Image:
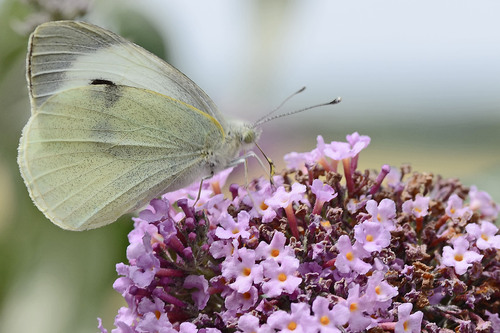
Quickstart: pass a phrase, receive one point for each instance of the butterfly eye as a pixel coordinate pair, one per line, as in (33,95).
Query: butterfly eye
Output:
(249,136)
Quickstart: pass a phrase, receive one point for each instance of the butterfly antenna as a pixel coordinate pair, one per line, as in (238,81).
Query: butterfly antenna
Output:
(261,120)
(267,118)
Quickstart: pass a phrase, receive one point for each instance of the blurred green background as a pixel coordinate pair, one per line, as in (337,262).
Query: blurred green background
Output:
(422,79)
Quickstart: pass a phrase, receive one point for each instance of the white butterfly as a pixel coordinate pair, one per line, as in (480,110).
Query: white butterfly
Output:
(113,126)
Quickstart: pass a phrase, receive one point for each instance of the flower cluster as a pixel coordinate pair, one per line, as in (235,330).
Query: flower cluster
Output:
(315,251)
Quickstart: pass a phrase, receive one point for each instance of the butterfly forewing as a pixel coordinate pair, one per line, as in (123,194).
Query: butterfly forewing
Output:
(68,54)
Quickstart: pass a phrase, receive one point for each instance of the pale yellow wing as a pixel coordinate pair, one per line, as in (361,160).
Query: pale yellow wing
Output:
(68,54)
(91,154)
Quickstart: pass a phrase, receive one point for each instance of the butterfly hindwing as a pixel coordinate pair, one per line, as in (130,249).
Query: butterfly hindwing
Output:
(92,153)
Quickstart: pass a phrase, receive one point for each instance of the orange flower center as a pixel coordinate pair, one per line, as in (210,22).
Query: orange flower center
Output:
(326,224)
(292,325)
(353,307)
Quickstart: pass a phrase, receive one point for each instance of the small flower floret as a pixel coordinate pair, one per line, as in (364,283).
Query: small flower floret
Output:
(280,277)
(459,256)
(408,323)
(418,207)
(350,257)
(372,236)
(485,235)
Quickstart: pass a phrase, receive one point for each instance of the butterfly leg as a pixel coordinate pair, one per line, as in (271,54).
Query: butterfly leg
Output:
(243,159)
(199,189)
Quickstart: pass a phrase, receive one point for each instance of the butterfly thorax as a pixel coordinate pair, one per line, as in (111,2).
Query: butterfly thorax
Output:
(239,137)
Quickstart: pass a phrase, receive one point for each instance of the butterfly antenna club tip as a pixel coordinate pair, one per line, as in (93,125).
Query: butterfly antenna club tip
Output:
(336,101)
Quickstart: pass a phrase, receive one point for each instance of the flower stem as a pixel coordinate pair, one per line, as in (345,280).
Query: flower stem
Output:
(292,221)
(390,326)
(346,162)
(383,172)
(318,206)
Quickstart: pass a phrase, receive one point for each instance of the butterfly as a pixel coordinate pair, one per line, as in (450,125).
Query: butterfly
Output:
(112,126)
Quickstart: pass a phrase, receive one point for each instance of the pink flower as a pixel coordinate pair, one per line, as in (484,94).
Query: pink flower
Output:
(384,212)
(355,204)
(393,178)
(200,295)
(408,323)
(459,256)
(485,235)
(281,278)
(342,150)
(151,323)
(298,321)
(276,250)
(418,207)
(282,198)
(223,248)
(232,229)
(242,267)
(155,305)
(157,210)
(357,305)
(186,327)
(455,209)
(257,201)
(248,323)
(482,202)
(317,155)
(328,320)
(241,301)
(349,257)
(372,236)
(296,160)
(145,264)
(323,193)
(379,290)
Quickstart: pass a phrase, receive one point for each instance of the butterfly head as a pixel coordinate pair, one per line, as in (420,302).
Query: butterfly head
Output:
(242,134)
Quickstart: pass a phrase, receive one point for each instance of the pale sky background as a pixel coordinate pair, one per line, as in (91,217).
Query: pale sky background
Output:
(439,59)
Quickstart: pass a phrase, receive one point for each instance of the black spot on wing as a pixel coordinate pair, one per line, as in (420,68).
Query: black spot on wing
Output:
(111,91)
(102,81)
